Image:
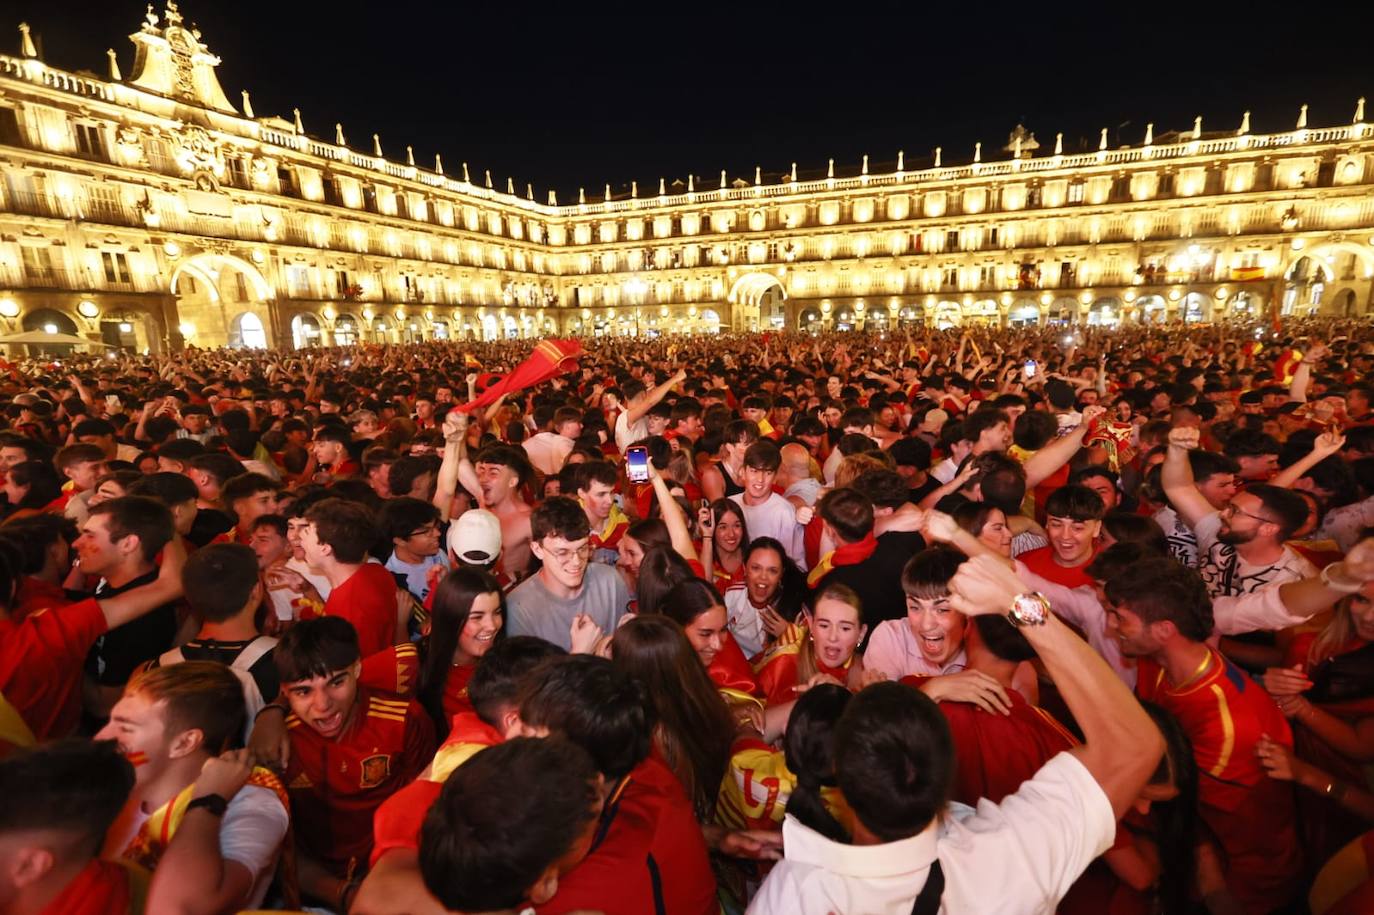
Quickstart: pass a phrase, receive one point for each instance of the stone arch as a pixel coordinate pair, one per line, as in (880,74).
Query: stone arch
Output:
(1318,253)
(758,298)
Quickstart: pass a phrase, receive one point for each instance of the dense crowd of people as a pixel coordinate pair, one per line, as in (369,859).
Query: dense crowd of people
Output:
(995,620)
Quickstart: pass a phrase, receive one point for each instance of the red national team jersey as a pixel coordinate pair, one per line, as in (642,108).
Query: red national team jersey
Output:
(652,859)
(392,670)
(1224,713)
(336,785)
(730,669)
(776,672)
(455,697)
(368,601)
(35,594)
(1041,562)
(997,753)
(102,888)
(40,665)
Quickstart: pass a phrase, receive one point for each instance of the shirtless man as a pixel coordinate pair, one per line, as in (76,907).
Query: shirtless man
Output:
(500,472)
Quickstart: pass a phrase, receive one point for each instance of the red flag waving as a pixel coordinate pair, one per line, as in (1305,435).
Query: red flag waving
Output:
(550,359)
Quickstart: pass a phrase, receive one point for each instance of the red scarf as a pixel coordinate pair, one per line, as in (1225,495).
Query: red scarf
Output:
(851,554)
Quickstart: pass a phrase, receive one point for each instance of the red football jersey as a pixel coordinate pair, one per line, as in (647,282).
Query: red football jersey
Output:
(368,601)
(40,665)
(996,753)
(337,784)
(1224,713)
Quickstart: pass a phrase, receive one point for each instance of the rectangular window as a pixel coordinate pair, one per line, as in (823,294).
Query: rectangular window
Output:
(89,141)
(298,281)
(116,267)
(952,240)
(1033,197)
(1166,184)
(1076,192)
(992,238)
(950,280)
(238,171)
(9,127)
(987,276)
(37,263)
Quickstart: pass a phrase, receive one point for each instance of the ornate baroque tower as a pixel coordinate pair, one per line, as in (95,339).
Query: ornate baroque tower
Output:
(172,62)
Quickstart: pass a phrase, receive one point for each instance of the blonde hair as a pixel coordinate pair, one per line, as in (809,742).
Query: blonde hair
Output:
(806,652)
(854,466)
(199,695)
(1337,634)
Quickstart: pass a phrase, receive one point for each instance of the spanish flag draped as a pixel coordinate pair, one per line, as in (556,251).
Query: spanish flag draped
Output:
(549,359)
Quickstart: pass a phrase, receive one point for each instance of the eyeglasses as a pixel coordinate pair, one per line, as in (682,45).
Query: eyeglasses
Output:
(1231,510)
(566,557)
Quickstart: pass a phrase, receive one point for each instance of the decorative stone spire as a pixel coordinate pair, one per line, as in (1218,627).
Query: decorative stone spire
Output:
(608,193)
(938,152)
(1102,143)
(553,199)
(488,175)
(901,160)
(438,164)
(1016,148)
(758,175)
(115,75)
(376,146)
(634,189)
(297,113)
(247,105)
(977,153)
(466,178)
(410,156)
(830,169)
(722,179)
(1150,134)
(1302,118)
(691,184)
(1197,127)
(510,185)
(662,189)
(582,195)
(529,191)
(1244,125)
(1359,111)
(26,41)
(794,172)
(339,139)
(1059,144)
(863,170)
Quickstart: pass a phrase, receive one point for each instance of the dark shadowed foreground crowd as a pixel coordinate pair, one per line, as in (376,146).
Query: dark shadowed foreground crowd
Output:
(994,621)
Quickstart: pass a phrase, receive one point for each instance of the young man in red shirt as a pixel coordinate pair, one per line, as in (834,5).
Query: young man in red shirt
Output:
(1073,520)
(351,749)
(248,497)
(1162,615)
(335,541)
(508,823)
(331,453)
(59,800)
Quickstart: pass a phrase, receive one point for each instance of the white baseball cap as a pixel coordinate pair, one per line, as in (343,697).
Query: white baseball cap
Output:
(475,537)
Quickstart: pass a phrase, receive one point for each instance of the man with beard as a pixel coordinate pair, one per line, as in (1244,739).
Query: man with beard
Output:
(1241,547)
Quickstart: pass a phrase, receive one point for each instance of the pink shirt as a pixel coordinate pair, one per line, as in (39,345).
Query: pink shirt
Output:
(892,649)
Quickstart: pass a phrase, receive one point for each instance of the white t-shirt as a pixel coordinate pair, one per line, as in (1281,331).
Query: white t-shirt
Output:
(1182,540)
(251,833)
(743,620)
(1019,856)
(626,434)
(1228,575)
(776,518)
(547,451)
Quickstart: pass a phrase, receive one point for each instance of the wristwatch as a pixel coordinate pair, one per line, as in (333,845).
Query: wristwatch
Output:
(1029,609)
(214,803)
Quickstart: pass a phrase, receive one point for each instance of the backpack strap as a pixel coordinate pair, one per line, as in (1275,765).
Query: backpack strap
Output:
(928,902)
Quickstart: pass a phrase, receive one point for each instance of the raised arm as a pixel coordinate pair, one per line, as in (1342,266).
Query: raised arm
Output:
(1302,375)
(455,455)
(1046,462)
(135,602)
(1176,476)
(1328,443)
(1121,746)
(634,414)
(673,517)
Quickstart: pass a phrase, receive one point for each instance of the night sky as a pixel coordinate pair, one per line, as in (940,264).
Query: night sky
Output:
(581,94)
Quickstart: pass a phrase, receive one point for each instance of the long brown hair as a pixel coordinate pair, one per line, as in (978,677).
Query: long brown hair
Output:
(1337,634)
(694,729)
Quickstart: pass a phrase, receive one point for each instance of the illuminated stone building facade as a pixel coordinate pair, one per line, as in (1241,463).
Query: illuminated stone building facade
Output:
(149,211)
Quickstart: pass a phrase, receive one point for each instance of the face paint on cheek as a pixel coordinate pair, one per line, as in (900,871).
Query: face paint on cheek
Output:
(137,758)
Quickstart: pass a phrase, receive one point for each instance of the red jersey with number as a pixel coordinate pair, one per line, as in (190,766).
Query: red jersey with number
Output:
(41,659)
(1225,713)
(367,599)
(336,784)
